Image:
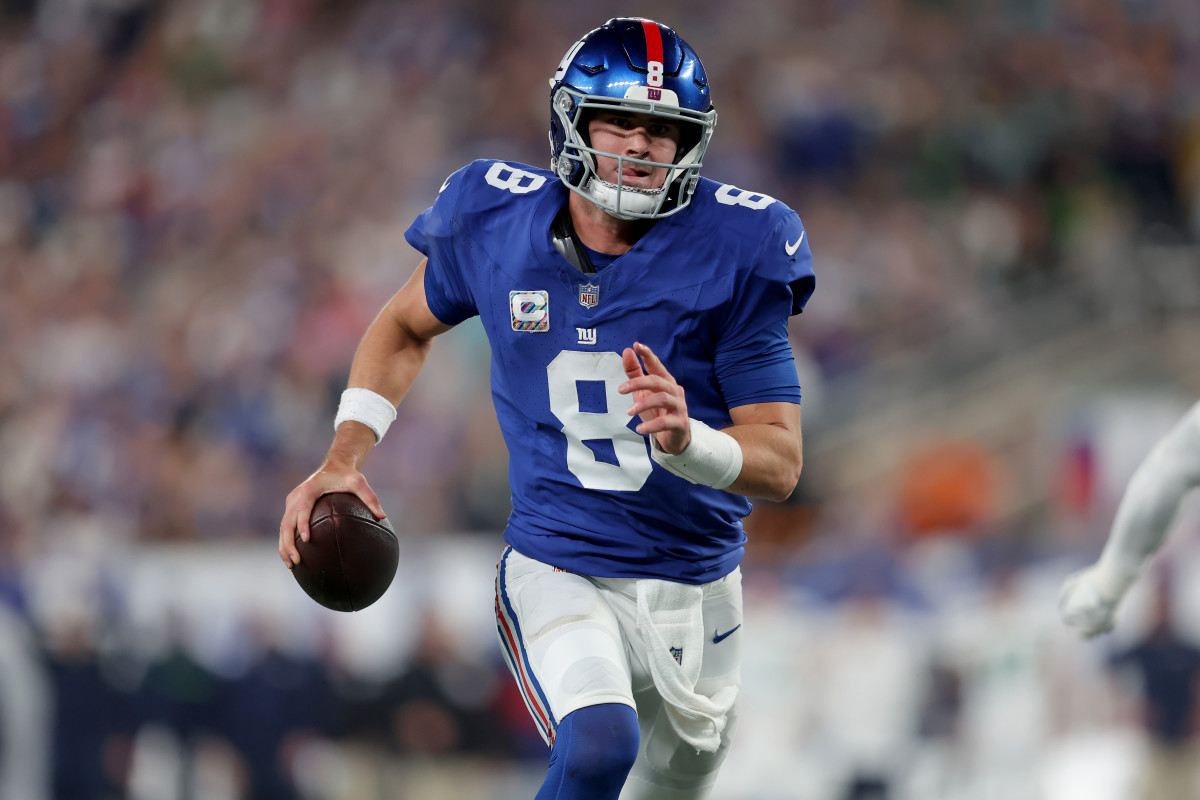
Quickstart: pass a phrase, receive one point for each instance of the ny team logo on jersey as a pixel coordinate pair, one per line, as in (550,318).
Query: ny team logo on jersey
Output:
(530,311)
(589,295)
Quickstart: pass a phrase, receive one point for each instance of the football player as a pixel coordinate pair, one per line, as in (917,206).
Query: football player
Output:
(1089,598)
(641,374)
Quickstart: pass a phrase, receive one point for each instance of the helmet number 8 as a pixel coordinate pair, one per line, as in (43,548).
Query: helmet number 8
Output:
(655,76)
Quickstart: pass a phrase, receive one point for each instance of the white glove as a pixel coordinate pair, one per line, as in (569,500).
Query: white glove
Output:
(1089,598)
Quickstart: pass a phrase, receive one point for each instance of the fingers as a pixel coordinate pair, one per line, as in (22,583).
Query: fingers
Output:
(296,513)
(653,365)
(360,487)
(647,383)
(667,403)
(657,398)
(661,425)
(287,540)
(655,376)
(633,367)
(299,505)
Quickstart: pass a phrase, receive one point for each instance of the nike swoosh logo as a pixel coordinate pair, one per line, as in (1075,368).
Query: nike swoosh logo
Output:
(720,637)
(791,249)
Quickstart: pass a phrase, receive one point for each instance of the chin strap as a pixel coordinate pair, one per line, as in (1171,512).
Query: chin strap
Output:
(562,233)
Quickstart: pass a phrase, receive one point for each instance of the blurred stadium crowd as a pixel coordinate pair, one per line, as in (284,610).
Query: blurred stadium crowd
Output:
(202,205)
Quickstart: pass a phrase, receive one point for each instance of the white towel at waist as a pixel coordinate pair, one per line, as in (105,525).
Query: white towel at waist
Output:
(670,615)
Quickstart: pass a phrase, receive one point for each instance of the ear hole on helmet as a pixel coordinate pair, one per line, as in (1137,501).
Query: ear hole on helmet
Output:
(583,122)
(690,134)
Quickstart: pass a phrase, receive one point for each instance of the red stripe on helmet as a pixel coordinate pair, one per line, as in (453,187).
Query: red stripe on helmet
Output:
(654,50)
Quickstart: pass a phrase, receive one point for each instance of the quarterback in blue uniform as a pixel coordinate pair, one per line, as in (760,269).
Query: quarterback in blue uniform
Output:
(641,374)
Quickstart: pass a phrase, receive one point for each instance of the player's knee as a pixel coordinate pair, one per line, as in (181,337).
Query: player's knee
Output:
(603,742)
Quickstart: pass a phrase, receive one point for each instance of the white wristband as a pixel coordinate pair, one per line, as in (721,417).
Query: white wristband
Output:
(712,458)
(370,408)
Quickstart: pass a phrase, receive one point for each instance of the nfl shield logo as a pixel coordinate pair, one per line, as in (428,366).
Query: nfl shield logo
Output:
(589,295)
(677,654)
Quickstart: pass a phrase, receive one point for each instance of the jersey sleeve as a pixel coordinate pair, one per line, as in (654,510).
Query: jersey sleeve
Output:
(434,233)
(754,362)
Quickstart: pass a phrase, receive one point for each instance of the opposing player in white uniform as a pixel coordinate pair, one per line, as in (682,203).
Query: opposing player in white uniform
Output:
(1090,598)
(641,374)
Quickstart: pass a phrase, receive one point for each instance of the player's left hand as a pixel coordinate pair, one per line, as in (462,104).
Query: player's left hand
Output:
(657,399)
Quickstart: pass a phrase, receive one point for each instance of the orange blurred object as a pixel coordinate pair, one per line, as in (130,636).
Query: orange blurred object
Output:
(948,487)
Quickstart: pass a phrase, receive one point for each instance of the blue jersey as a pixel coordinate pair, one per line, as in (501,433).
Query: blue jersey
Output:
(708,289)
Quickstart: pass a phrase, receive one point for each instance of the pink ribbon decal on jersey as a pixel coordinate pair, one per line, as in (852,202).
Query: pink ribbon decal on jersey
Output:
(654,51)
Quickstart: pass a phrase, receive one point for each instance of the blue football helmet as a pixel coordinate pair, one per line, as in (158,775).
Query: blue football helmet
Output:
(640,66)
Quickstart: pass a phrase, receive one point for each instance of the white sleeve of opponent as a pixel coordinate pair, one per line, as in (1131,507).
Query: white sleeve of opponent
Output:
(1152,499)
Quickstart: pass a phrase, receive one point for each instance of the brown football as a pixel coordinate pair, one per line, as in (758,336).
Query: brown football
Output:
(350,559)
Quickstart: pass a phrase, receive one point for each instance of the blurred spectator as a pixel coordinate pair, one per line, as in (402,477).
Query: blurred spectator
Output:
(443,703)
(872,659)
(938,768)
(179,712)
(28,745)
(272,711)
(93,720)
(1166,669)
(997,643)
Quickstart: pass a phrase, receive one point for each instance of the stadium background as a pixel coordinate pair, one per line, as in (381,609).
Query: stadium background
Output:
(202,205)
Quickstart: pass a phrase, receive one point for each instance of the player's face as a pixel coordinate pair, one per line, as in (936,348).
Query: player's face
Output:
(634,136)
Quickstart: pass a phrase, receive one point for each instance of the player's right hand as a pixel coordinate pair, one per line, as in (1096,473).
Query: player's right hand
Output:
(300,501)
(1088,602)
(657,398)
